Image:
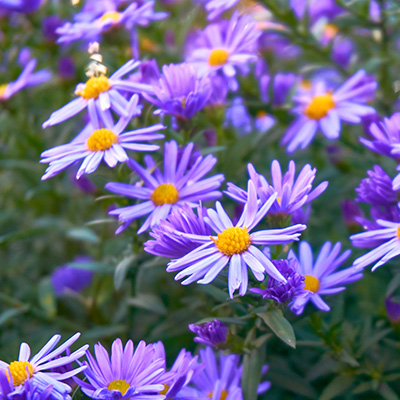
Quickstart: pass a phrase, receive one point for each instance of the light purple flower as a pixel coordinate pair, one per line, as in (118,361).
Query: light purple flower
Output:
(99,142)
(163,192)
(167,240)
(234,245)
(324,109)
(385,239)
(36,369)
(292,192)
(283,292)
(322,277)
(238,117)
(100,94)
(26,79)
(213,333)
(128,373)
(217,7)
(224,46)
(180,92)
(22,6)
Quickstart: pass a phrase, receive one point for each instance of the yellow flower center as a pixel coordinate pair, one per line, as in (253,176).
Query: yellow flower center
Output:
(234,240)
(94,86)
(312,283)
(261,114)
(19,371)
(218,57)
(165,390)
(319,106)
(305,84)
(224,395)
(330,31)
(101,139)
(3,89)
(398,232)
(114,15)
(166,193)
(120,385)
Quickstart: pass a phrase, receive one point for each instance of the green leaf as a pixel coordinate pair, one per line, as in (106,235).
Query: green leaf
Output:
(103,331)
(280,326)
(149,302)
(46,297)
(252,365)
(12,313)
(82,234)
(121,270)
(337,386)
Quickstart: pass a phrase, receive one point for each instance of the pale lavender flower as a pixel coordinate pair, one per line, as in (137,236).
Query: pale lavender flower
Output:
(234,245)
(320,108)
(100,94)
(217,7)
(322,277)
(213,333)
(163,192)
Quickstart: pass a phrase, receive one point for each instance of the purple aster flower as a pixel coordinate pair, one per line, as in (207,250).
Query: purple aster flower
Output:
(282,83)
(225,46)
(213,333)
(292,193)
(128,373)
(26,79)
(97,142)
(50,25)
(92,22)
(351,211)
(386,240)
(22,6)
(283,292)
(66,68)
(101,94)
(166,191)
(217,7)
(66,278)
(263,122)
(234,245)
(238,117)
(342,51)
(35,369)
(323,276)
(167,240)
(316,9)
(219,91)
(323,109)
(30,391)
(179,92)
(392,310)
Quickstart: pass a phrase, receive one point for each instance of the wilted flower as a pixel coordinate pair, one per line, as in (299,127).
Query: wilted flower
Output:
(213,333)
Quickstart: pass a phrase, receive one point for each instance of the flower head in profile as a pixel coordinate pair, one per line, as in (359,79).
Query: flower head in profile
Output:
(180,92)
(283,292)
(127,373)
(212,333)
(26,79)
(292,192)
(324,109)
(98,142)
(37,370)
(386,242)
(322,277)
(180,183)
(167,240)
(225,46)
(100,94)
(234,245)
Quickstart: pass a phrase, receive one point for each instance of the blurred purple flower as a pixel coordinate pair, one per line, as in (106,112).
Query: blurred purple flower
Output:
(212,333)
(350,210)
(49,26)
(66,68)
(22,6)
(392,310)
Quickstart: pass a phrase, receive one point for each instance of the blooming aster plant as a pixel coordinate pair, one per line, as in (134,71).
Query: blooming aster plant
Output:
(234,245)
(179,184)
(321,108)
(35,369)
(128,373)
(323,276)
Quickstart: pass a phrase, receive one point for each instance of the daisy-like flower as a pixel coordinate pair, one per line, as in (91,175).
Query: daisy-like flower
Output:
(167,240)
(225,46)
(321,108)
(213,333)
(100,94)
(180,92)
(234,245)
(128,373)
(163,192)
(385,239)
(92,22)
(323,276)
(35,369)
(292,192)
(27,78)
(99,142)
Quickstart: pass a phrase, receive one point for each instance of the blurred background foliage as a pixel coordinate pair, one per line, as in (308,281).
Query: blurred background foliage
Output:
(351,352)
